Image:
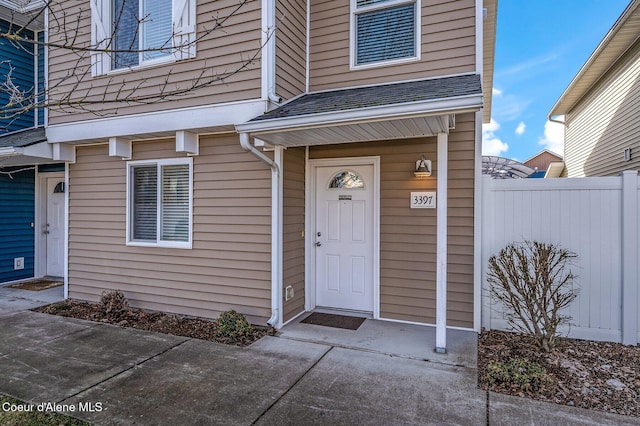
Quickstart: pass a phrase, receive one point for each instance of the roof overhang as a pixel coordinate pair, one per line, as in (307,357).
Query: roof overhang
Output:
(23,147)
(41,152)
(555,169)
(624,33)
(397,121)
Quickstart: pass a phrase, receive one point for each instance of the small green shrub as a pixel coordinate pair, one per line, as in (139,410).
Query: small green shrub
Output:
(234,325)
(113,302)
(517,373)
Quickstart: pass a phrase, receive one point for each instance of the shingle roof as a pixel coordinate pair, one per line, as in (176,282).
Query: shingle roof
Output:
(23,138)
(375,96)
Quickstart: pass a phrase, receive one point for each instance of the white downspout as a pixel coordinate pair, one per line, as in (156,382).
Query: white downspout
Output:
(276,226)
(269,51)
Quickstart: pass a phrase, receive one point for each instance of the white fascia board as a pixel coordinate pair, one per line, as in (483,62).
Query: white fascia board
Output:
(9,151)
(397,111)
(154,122)
(40,149)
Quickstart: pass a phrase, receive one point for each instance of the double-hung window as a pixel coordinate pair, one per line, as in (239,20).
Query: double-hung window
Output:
(384,31)
(131,33)
(159,202)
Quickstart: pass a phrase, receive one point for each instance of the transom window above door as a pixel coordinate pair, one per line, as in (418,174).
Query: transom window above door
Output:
(346,180)
(384,32)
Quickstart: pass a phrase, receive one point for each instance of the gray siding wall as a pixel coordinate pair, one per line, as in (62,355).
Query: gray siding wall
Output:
(229,266)
(448,45)
(291,51)
(220,53)
(605,123)
(408,236)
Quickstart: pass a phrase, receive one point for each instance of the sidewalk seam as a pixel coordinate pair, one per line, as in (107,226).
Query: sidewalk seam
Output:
(123,371)
(291,387)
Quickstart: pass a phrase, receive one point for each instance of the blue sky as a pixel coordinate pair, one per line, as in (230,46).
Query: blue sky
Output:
(540,46)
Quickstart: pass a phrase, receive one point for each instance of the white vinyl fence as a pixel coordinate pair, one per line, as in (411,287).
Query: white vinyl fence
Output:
(596,218)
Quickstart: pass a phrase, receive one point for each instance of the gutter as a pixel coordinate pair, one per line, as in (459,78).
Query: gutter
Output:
(276,225)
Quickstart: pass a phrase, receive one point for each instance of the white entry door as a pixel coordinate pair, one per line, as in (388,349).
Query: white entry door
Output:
(54,227)
(344,238)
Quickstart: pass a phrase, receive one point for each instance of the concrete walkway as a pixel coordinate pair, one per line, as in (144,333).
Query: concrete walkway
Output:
(111,375)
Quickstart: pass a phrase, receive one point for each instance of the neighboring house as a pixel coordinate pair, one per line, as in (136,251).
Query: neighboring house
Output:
(32,243)
(600,105)
(545,163)
(288,186)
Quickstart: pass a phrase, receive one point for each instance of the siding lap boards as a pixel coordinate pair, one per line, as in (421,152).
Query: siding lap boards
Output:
(230,263)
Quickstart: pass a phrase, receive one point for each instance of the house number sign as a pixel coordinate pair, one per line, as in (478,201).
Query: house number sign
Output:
(423,200)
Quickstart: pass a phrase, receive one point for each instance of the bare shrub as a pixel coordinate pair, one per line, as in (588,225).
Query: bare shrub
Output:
(533,282)
(113,302)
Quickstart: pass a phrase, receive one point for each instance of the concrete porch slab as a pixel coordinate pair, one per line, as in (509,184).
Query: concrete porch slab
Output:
(392,338)
(202,382)
(349,387)
(14,300)
(56,369)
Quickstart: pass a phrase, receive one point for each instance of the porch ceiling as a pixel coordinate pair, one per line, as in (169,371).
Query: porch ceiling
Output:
(333,133)
(383,112)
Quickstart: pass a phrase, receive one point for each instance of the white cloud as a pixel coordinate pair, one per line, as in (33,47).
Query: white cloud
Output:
(496,92)
(521,128)
(553,139)
(491,144)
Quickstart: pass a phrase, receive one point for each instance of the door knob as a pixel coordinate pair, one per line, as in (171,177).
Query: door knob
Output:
(318,244)
(46,232)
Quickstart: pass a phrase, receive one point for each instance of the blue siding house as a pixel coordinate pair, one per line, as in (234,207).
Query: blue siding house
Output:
(27,171)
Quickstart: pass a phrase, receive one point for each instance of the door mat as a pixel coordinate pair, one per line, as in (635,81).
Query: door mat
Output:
(332,320)
(36,285)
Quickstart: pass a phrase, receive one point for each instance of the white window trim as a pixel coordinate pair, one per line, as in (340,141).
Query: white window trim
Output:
(183,13)
(379,6)
(129,205)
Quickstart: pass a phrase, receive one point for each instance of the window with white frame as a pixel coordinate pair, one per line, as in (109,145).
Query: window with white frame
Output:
(159,202)
(131,33)
(384,31)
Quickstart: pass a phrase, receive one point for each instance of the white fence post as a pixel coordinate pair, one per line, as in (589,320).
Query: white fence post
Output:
(630,257)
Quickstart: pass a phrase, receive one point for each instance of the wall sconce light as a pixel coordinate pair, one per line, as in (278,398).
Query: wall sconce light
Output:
(423,168)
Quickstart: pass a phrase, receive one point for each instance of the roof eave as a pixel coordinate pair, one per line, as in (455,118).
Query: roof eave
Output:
(378,113)
(560,109)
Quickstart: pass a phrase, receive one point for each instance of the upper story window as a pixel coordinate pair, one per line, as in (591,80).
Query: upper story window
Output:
(131,33)
(384,31)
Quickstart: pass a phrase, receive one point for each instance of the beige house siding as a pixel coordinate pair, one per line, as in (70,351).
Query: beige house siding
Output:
(293,232)
(605,123)
(408,236)
(218,54)
(447,45)
(229,266)
(291,39)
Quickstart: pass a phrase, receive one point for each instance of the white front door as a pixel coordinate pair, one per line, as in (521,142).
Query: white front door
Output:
(54,227)
(344,237)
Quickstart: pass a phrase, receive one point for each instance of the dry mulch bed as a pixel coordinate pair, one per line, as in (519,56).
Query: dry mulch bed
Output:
(600,376)
(160,322)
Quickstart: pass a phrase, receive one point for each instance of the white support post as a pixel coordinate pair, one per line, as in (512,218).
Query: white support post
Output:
(441,251)
(630,257)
